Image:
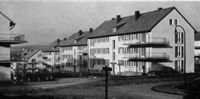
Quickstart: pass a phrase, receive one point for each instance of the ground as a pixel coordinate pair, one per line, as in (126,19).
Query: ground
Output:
(93,88)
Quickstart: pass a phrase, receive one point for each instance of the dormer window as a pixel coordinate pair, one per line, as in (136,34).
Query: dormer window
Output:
(115,29)
(118,26)
(75,41)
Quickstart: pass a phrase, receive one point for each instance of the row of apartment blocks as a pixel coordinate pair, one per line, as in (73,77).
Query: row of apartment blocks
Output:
(130,45)
(133,44)
(7,38)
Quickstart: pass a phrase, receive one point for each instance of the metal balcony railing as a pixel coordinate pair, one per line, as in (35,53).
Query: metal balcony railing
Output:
(148,57)
(150,42)
(4,58)
(151,55)
(159,40)
(12,38)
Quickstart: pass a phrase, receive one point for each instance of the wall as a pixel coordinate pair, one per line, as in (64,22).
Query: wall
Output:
(163,29)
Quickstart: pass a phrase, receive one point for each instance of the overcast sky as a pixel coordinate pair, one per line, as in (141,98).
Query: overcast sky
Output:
(43,21)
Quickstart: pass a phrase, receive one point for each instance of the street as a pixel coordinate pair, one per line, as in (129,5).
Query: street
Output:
(88,87)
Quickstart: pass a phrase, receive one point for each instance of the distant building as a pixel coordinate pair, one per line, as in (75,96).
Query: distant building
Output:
(6,40)
(135,44)
(34,58)
(74,52)
(51,56)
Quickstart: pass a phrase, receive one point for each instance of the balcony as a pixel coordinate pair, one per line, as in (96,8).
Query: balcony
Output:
(4,58)
(12,39)
(196,47)
(153,57)
(154,42)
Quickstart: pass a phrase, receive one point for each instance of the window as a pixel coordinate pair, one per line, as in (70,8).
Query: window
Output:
(175,22)
(170,22)
(143,37)
(179,38)
(143,51)
(114,29)
(137,36)
(179,51)
(113,44)
(179,65)
(113,56)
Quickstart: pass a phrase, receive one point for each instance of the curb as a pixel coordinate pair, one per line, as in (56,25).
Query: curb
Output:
(175,90)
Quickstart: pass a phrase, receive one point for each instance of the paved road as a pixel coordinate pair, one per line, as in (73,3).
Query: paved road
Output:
(61,82)
(132,91)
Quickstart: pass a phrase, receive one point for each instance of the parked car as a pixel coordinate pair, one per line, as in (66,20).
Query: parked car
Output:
(162,72)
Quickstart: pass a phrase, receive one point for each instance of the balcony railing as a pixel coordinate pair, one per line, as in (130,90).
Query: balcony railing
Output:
(152,42)
(4,58)
(151,57)
(12,38)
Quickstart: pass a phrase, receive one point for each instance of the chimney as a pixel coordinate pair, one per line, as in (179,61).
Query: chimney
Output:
(58,40)
(90,30)
(160,8)
(137,14)
(80,32)
(118,18)
(65,38)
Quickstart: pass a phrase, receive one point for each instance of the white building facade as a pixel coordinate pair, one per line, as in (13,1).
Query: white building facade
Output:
(74,52)
(153,39)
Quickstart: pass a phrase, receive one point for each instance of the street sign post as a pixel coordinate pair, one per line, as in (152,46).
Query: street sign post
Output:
(106,69)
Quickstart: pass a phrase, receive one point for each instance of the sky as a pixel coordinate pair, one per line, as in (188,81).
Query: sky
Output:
(43,21)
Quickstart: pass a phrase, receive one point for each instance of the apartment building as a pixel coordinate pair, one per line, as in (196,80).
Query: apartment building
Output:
(74,52)
(135,44)
(6,40)
(34,58)
(51,56)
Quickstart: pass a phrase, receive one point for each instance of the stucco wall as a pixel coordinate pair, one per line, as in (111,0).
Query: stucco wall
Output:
(163,29)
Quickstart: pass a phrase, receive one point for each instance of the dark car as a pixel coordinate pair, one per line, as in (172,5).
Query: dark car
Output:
(162,72)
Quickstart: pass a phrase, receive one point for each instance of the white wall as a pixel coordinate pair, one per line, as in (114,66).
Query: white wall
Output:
(163,29)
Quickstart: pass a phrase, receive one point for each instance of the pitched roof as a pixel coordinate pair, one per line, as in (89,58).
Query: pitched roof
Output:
(76,39)
(30,54)
(53,47)
(145,23)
